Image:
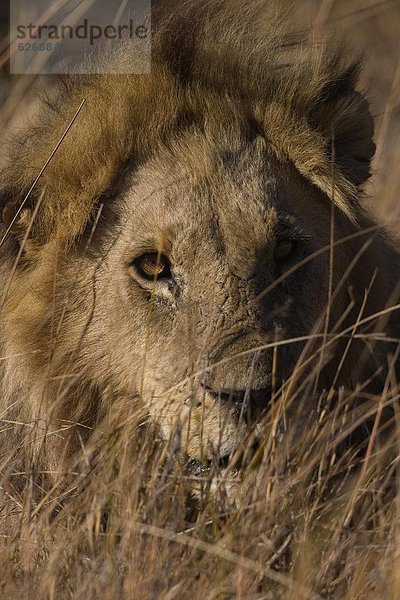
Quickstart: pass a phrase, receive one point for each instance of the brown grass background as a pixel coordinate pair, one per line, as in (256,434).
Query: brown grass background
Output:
(134,534)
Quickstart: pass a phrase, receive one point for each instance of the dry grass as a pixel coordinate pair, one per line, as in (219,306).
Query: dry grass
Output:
(304,523)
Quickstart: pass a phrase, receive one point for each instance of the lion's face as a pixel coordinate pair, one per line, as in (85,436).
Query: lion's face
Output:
(180,313)
(195,237)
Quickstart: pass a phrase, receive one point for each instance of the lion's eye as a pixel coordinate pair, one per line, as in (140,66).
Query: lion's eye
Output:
(153,266)
(283,249)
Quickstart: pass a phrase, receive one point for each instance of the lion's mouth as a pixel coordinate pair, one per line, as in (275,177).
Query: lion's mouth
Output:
(249,408)
(238,460)
(249,404)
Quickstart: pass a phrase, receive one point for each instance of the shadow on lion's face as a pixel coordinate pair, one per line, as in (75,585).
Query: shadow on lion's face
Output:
(209,288)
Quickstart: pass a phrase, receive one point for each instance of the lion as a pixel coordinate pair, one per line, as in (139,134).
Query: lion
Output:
(194,243)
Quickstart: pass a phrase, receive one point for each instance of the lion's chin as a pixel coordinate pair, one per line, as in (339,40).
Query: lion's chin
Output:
(222,478)
(222,486)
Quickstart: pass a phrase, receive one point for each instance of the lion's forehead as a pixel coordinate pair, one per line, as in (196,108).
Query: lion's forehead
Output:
(169,202)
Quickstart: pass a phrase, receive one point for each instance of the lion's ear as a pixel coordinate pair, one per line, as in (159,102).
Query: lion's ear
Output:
(353,141)
(344,117)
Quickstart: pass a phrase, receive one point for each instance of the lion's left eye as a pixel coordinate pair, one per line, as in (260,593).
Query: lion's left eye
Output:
(283,249)
(153,266)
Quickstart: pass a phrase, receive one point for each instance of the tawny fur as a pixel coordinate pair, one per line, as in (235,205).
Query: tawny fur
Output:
(238,121)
